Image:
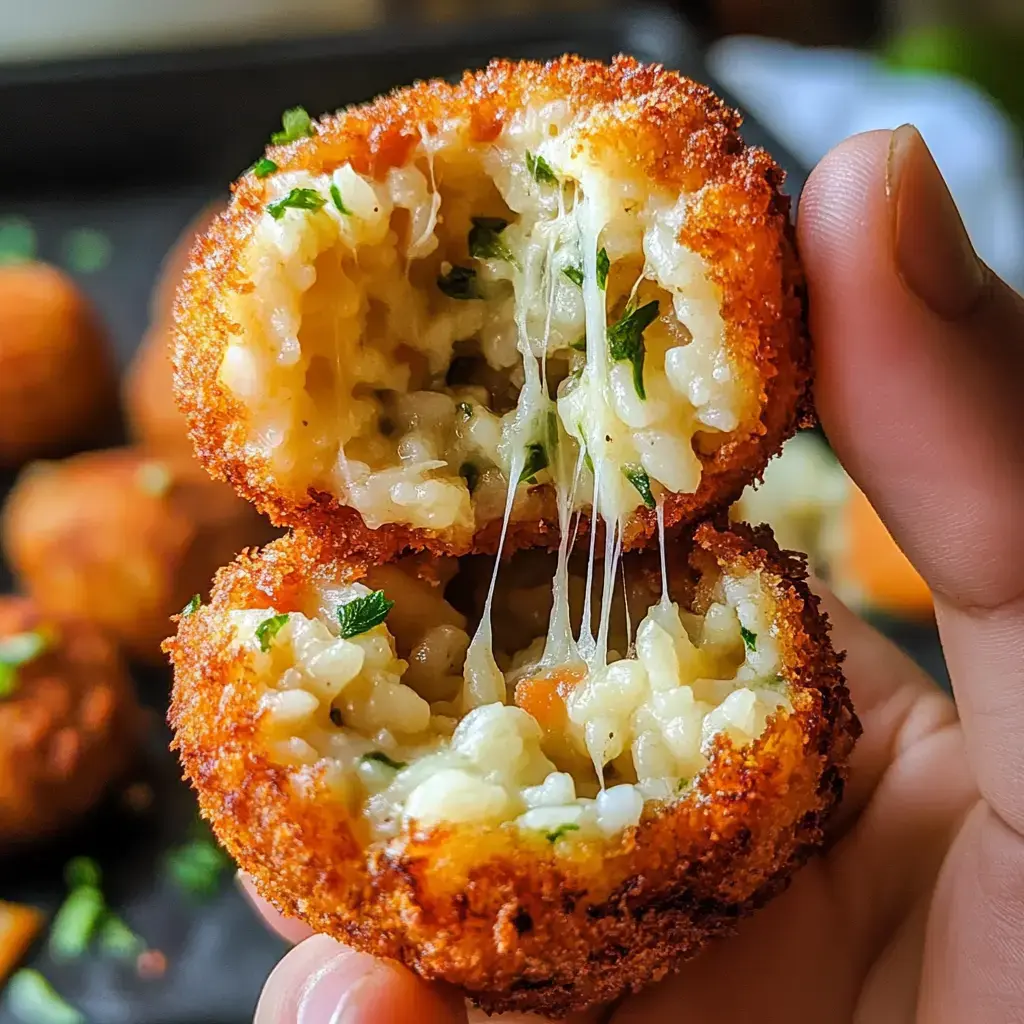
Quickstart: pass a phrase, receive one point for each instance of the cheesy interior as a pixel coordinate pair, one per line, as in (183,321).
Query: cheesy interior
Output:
(412,345)
(385,721)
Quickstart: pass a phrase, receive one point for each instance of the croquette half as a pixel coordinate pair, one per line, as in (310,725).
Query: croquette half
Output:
(577,837)
(539,269)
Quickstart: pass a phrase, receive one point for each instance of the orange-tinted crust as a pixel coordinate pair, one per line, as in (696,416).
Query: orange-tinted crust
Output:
(500,913)
(70,727)
(673,130)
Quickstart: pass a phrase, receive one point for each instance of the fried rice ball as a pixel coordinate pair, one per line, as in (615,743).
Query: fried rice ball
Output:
(69,721)
(153,416)
(572,840)
(58,379)
(519,277)
(123,539)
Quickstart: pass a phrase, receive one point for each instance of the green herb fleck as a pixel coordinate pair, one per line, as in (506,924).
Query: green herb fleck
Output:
(470,474)
(154,479)
(381,758)
(562,830)
(297,199)
(268,629)
(363,613)
(197,866)
(485,240)
(82,871)
(603,266)
(465,408)
(194,603)
(33,999)
(536,460)
(540,170)
(17,650)
(580,344)
(295,124)
(338,202)
(626,339)
(749,639)
(17,240)
(76,921)
(263,167)
(642,482)
(682,784)
(116,939)
(575,272)
(86,250)
(459,283)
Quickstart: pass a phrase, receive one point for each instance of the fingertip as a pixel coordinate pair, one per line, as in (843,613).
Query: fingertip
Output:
(287,928)
(321,981)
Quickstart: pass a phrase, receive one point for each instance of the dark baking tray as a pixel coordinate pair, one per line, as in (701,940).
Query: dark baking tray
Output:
(133,147)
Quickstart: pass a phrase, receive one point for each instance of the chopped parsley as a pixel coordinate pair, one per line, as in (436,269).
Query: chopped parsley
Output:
(381,758)
(17,650)
(78,918)
(470,474)
(575,272)
(683,783)
(268,629)
(82,871)
(626,339)
(459,283)
(154,478)
(86,250)
(337,200)
(580,344)
(749,639)
(485,240)
(363,614)
(17,240)
(197,867)
(33,999)
(642,482)
(263,167)
(116,939)
(465,408)
(562,830)
(540,170)
(536,460)
(194,603)
(295,124)
(297,199)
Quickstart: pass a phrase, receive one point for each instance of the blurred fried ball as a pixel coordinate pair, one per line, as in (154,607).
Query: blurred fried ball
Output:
(154,419)
(58,379)
(69,721)
(123,539)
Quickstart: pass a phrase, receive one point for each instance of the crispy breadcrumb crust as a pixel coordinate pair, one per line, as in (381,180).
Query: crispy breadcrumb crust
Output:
(674,131)
(516,924)
(70,727)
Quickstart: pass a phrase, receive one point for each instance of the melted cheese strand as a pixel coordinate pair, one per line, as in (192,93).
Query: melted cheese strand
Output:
(666,601)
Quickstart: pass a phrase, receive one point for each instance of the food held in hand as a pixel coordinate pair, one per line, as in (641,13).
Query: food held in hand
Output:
(58,380)
(478,320)
(573,277)
(122,539)
(69,721)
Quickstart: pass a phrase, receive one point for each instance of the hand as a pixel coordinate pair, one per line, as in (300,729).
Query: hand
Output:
(916,911)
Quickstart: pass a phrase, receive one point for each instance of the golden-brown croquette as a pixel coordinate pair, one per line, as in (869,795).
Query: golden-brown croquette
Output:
(539,270)
(153,416)
(123,539)
(69,721)
(578,837)
(58,380)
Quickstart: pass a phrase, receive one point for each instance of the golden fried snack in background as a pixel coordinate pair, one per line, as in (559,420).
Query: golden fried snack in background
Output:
(335,303)
(123,539)
(69,721)
(58,380)
(520,919)
(152,413)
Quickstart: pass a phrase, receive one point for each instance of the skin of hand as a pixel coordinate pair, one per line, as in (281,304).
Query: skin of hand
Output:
(915,912)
